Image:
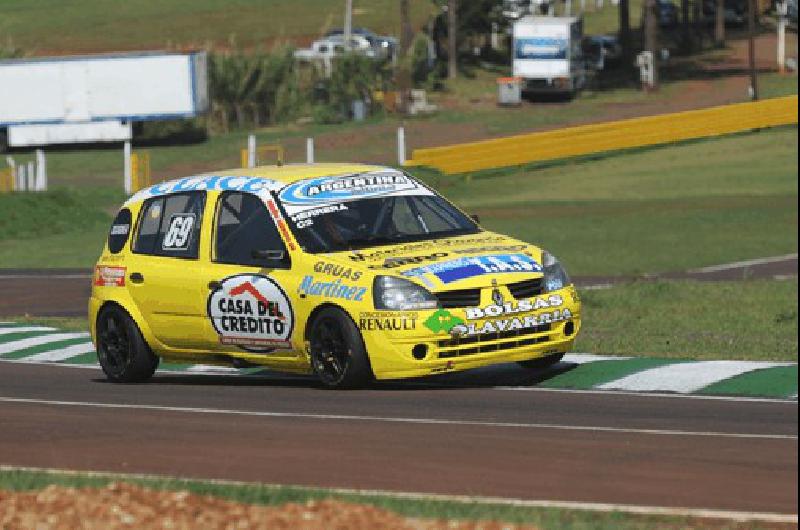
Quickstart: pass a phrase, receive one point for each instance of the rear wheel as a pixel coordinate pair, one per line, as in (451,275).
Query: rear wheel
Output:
(338,355)
(542,362)
(122,351)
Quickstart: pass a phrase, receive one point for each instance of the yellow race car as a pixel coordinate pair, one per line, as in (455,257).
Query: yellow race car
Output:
(351,272)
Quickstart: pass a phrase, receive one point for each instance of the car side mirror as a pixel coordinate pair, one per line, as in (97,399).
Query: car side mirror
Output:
(475,217)
(268,255)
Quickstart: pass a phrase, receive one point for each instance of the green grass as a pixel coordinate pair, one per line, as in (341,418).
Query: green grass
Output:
(62,323)
(749,320)
(49,26)
(652,210)
(545,518)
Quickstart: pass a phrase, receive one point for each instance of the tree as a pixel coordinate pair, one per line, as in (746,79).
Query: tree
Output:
(625,28)
(452,42)
(719,27)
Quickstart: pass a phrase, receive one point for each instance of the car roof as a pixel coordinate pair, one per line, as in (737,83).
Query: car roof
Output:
(274,177)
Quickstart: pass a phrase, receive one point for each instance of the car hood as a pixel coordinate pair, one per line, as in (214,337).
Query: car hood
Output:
(460,262)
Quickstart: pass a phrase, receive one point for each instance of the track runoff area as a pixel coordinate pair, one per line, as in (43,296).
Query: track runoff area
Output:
(595,433)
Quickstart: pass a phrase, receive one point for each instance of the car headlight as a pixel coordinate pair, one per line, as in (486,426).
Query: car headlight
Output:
(555,277)
(397,294)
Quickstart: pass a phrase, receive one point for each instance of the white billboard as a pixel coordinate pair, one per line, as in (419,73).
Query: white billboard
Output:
(121,88)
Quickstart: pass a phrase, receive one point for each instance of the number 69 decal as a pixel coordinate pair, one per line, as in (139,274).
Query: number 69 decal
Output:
(178,232)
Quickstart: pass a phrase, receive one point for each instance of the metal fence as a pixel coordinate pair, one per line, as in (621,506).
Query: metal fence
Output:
(609,136)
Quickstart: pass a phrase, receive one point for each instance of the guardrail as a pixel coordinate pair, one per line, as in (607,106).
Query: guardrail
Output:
(608,136)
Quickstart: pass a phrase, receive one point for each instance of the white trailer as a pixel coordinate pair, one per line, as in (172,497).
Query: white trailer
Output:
(547,54)
(96,98)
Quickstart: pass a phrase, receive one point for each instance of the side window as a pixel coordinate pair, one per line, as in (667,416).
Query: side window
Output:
(243,226)
(170,226)
(120,228)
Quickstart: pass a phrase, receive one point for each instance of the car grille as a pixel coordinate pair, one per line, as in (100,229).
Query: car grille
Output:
(472,297)
(488,342)
(526,288)
(462,298)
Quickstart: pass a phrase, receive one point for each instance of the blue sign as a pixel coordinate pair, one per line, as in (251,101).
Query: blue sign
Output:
(540,48)
(458,269)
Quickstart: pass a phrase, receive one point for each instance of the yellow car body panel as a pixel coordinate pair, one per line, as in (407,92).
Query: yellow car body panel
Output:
(201,310)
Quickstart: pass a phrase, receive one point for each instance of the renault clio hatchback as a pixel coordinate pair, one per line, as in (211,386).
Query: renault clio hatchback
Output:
(351,272)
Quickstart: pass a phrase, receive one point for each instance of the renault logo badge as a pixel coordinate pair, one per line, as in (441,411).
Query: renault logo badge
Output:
(497,296)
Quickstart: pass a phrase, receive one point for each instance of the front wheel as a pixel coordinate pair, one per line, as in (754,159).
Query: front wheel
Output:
(122,351)
(541,363)
(338,355)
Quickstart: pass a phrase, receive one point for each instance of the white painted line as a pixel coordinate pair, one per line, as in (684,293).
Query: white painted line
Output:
(595,287)
(21,344)
(212,369)
(25,329)
(685,377)
(60,354)
(468,499)
(745,263)
(706,397)
(389,419)
(583,358)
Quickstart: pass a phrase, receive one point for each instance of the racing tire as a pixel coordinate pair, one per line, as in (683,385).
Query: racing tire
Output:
(122,352)
(542,362)
(338,355)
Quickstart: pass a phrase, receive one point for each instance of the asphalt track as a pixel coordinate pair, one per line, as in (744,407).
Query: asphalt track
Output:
(457,437)
(64,292)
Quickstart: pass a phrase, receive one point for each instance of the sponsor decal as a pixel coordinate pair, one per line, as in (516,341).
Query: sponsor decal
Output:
(442,320)
(391,263)
(284,230)
(501,308)
(221,183)
(120,230)
(511,324)
(461,268)
(387,323)
(422,246)
(338,271)
(253,312)
(334,289)
(109,276)
(306,218)
(496,248)
(326,190)
(178,232)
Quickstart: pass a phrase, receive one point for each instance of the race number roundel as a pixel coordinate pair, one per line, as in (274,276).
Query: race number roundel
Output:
(251,311)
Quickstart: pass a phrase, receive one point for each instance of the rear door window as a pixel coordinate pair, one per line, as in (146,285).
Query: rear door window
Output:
(170,226)
(244,226)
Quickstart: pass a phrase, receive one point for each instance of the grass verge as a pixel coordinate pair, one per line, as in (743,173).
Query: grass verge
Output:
(546,518)
(747,320)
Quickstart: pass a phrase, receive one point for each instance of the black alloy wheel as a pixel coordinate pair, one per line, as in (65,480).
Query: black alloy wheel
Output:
(338,355)
(121,350)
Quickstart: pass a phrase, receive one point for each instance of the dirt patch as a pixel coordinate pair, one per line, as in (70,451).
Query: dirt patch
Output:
(121,505)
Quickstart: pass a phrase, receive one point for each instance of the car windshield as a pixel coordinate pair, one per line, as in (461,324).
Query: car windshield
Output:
(327,214)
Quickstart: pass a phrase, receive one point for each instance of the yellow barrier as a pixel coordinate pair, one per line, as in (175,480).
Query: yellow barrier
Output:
(609,136)
(261,154)
(7,180)
(140,171)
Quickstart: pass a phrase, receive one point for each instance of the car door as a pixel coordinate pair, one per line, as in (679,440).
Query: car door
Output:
(251,287)
(165,272)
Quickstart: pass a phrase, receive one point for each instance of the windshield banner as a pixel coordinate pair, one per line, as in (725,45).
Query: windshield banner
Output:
(326,191)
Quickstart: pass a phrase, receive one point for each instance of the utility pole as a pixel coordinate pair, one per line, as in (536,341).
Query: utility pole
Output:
(719,27)
(348,23)
(782,8)
(625,29)
(651,38)
(452,43)
(402,72)
(751,48)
